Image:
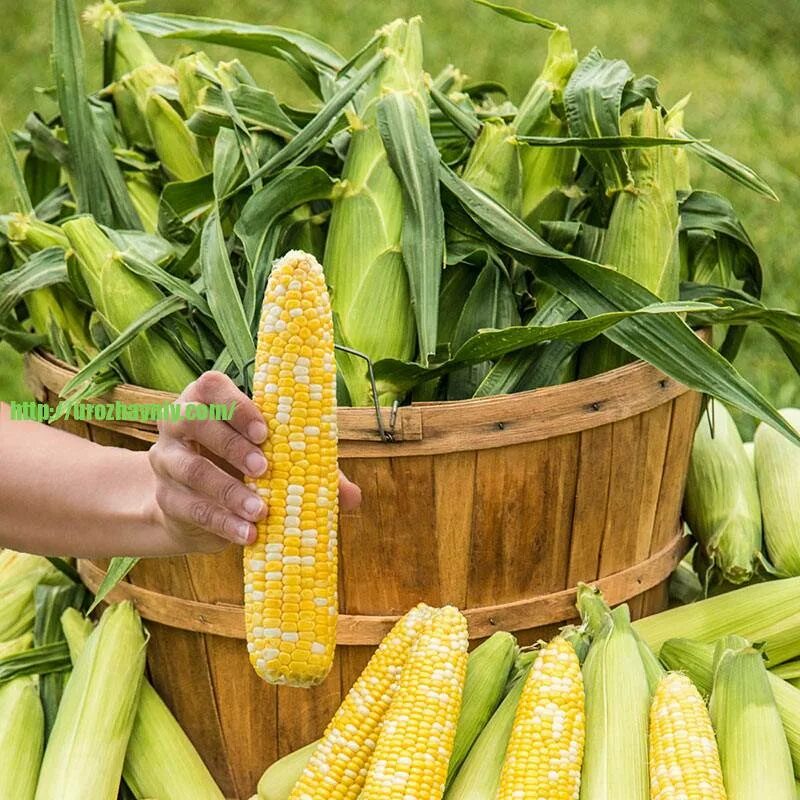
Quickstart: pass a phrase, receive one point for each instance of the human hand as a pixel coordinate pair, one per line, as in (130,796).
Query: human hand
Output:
(200,505)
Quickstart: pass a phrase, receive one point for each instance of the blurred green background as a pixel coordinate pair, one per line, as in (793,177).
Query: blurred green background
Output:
(738,58)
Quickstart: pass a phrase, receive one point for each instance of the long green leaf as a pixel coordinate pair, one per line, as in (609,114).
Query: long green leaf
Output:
(172,284)
(51,601)
(728,165)
(311,59)
(518,15)
(592,103)
(99,185)
(465,121)
(665,341)
(257,107)
(316,132)
(44,268)
(257,224)
(602,142)
(223,295)
(109,354)
(413,157)
(116,572)
(36,661)
(10,166)
(492,344)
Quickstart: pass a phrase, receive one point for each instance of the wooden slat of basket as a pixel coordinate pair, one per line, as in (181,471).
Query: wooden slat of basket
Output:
(222,619)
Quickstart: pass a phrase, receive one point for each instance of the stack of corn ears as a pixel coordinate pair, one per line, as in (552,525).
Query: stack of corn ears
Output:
(147,214)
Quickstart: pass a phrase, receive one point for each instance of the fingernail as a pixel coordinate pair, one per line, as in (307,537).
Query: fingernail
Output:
(257,432)
(243,532)
(255,463)
(253,505)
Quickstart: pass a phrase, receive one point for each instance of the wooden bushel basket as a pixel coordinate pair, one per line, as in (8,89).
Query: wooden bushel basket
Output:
(499,506)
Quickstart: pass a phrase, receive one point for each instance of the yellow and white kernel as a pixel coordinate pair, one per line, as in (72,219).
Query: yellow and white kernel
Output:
(545,751)
(290,570)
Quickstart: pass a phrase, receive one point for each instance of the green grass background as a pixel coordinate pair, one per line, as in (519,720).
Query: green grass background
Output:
(738,58)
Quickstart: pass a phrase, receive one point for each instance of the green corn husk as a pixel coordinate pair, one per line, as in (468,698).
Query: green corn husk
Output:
(160,761)
(617,709)
(363,259)
(130,47)
(684,584)
(641,241)
(479,775)
(191,85)
(145,199)
(488,668)
(21,730)
(18,581)
(121,297)
(494,165)
(764,612)
(175,145)
(30,234)
(721,504)
(86,751)
(547,170)
(279,779)
(674,127)
(750,450)
(777,466)
(758,763)
(696,659)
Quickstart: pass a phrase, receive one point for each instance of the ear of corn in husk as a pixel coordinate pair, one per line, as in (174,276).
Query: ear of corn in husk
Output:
(641,241)
(363,258)
(494,165)
(777,464)
(721,504)
(479,775)
(488,668)
(617,708)
(696,659)
(547,171)
(160,761)
(684,759)
(19,578)
(121,297)
(145,199)
(763,612)
(755,756)
(21,730)
(86,750)
(130,47)
(280,778)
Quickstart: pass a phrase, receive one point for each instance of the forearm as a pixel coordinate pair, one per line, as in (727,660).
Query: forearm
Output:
(63,495)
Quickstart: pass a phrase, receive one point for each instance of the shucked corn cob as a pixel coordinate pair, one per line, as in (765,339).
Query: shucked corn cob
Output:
(684,760)
(545,753)
(416,738)
(338,766)
(290,578)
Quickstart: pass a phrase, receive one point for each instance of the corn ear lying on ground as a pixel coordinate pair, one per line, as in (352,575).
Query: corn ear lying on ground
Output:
(160,761)
(684,758)
(777,464)
(763,612)
(86,749)
(21,731)
(758,764)
(721,503)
